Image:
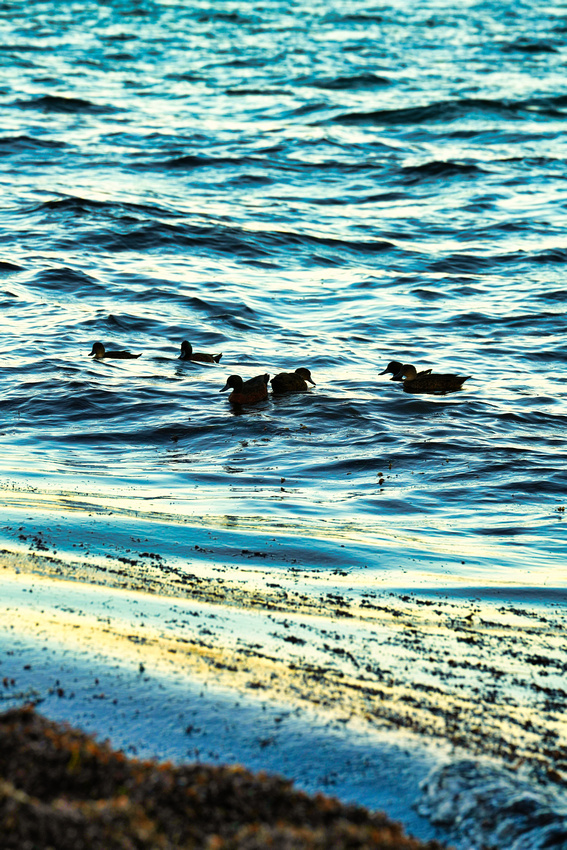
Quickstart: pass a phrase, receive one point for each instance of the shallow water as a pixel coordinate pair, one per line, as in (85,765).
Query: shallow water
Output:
(326,185)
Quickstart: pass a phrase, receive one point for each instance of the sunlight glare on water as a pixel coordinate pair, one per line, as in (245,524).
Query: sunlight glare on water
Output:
(333,187)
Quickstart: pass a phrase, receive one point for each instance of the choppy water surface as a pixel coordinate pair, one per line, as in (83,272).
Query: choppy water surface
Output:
(332,185)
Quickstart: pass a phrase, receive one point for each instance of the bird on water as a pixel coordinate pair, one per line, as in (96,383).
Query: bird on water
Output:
(100,353)
(247,392)
(292,382)
(428,383)
(395,366)
(187,353)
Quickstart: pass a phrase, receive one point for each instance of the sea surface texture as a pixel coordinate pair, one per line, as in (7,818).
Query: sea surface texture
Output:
(331,185)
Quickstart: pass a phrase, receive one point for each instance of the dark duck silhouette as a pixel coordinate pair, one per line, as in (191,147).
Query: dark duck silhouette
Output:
(292,382)
(187,353)
(100,353)
(247,392)
(395,367)
(422,382)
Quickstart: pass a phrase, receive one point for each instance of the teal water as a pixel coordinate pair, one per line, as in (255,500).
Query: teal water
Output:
(332,186)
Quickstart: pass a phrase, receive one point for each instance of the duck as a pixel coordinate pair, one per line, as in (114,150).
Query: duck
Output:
(395,367)
(427,382)
(187,353)
(247,392)
(292,382)
(100,353)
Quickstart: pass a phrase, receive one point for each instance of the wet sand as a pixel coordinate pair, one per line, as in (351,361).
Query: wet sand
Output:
(271,674)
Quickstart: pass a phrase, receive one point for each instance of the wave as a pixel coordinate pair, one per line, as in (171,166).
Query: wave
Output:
(264,92)
(75,206)
(59,103)
(487,807)
(356,81)
(461,263)
(454,110)
(526,45)
(191,161)
(13,144)
(354,17)
(556,255)
(126,233)
(217,16)
(437,169)
(64,279)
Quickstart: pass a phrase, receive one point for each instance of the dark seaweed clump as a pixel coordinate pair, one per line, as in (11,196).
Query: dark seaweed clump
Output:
(60,788)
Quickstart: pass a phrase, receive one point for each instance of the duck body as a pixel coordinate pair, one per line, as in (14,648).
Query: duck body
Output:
(414,382)
(247,392)
(100,353)
(187,353)
(395,367)
(292,382)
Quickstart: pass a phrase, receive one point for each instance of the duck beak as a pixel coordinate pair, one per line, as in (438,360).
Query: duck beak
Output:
(226,387)
(398,377)
(311,381)
(384,372)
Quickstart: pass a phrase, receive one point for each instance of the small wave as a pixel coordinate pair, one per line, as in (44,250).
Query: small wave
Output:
(214,16)
(130,323)
(459,263)
(135,235)
(250,180)
(75,206)
(66,280)
(449,110)
(7,267)
(12,144)
(556,255)
(436,169)
(557,295)
(264,92)
(357,81)
(120,57)
(526,45)
(58,103)
(21,48)
(487,807)
(429,294)
(354,18)
(254,62)
(199,161)
(120,36)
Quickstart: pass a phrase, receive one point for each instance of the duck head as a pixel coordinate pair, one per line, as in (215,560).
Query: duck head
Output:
(234,382)
(98,350)
(406,373)
(305,374)
(394,367)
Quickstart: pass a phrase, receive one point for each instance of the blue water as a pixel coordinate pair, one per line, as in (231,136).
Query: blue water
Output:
(326,185)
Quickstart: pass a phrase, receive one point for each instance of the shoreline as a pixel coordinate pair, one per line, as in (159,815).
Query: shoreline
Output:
(301,685)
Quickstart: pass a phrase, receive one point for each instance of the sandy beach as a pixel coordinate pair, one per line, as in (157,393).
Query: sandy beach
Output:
(334,690)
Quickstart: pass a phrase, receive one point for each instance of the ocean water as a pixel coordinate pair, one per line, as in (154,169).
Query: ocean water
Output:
(332,185)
